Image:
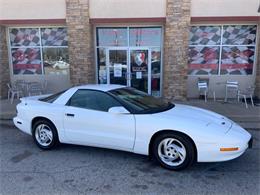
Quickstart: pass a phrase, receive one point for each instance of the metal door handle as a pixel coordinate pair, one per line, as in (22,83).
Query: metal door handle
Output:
(68,114)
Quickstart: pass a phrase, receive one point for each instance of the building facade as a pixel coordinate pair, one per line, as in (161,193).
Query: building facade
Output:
(161,47)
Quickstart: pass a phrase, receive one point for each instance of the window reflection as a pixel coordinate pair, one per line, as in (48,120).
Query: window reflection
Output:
(112,36)
(145,36)
(56,61)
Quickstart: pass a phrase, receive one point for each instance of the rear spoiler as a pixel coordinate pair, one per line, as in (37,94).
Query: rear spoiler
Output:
(35,98)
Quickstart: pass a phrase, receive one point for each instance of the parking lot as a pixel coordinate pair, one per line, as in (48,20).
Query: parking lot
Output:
(69,169)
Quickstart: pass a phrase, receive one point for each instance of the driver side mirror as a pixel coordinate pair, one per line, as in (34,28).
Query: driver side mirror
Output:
(118,110)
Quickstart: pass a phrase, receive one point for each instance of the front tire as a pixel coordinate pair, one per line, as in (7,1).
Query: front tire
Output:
(174,151)
(45,135)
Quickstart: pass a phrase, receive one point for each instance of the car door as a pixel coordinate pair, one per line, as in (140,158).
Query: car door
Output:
(88,122)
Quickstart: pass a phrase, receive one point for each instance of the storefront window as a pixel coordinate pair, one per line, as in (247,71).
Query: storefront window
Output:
(36,49)
(236,43)
(145,36)
(26,61)
(203,60)
(239,35)
(205,35)
(238,49)
(203,52)
(237,60)
(24,37)
(54,37)
(56,61)
(112,37)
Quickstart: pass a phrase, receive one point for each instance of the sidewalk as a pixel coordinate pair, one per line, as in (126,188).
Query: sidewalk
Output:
(248,118)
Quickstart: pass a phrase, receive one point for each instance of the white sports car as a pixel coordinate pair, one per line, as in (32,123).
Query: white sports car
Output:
(123,118)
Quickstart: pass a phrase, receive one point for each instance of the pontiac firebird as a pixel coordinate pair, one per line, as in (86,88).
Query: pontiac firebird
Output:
(123,118)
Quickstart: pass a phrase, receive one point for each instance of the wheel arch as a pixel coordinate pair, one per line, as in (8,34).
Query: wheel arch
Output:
(35,119)
(160,132)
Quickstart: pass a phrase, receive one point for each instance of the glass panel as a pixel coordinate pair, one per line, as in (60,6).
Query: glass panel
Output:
(139,69)
(54,37)
(101,62)
(24,37)
(118,67)
(112,37)
(205,35)
(26,61)
(93,100)
(56,61)
(237,60)
(145,36)
(156,71)
(203,60)
(239,35)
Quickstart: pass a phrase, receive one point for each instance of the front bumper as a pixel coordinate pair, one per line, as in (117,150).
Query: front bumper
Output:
(235,137)
(22,125)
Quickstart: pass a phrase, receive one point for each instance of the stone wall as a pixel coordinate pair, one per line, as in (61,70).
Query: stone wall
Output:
(80,40)
(4,65)
(176,40)
(257,90)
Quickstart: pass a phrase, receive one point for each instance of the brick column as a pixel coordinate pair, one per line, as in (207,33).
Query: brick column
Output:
(257,82)
(4,65)
(176,40)
(81,49)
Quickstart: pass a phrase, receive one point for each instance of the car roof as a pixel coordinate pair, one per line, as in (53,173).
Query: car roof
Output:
(100,87)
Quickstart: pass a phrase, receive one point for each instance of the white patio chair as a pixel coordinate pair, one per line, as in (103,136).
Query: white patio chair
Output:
(13,92)
(248,93)
(232,86)
(203,88)
(35,89)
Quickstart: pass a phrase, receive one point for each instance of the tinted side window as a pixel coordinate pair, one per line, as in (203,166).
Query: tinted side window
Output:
(94,100)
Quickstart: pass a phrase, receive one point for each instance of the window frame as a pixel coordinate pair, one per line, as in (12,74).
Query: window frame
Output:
(113,97)
(221,45)
(40,47)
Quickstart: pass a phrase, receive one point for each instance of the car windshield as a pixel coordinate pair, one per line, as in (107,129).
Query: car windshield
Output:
(139,102)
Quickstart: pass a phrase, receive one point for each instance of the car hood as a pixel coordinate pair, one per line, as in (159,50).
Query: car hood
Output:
(198,115)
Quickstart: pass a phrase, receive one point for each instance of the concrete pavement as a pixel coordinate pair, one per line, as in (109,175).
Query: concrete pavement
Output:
(71,169)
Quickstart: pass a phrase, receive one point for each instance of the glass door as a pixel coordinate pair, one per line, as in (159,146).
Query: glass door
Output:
(140,69)
(117,66)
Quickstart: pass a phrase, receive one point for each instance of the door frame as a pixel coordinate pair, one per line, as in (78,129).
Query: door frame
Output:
(128,60)
(108,49)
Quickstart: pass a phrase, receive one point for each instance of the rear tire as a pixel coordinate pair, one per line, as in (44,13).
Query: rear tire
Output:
(45,135)
(173,151)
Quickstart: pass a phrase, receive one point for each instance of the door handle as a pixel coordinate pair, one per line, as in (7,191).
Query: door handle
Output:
(68,114)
